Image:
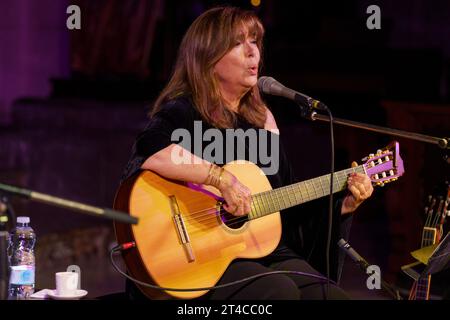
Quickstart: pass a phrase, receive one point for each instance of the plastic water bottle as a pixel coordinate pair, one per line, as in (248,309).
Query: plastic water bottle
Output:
(22,262)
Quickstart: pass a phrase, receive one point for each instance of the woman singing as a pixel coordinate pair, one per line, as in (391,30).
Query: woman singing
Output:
(214,86)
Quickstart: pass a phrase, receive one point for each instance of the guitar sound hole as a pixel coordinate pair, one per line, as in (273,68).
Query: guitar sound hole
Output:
(231,221)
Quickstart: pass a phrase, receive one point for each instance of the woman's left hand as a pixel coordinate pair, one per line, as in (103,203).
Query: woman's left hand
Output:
(360,188)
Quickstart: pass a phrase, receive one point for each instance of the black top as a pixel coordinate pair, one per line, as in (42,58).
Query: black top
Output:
(304,227)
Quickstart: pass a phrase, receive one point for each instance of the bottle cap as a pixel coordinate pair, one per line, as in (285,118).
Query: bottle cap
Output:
(23,219)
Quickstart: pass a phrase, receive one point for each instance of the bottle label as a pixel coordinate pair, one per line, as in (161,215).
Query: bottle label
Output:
(22,275)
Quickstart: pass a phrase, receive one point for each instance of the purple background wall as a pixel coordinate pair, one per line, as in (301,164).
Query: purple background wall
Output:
(34,48)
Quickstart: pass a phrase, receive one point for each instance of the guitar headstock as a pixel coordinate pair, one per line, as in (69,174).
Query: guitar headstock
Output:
(385,166)
(436,208)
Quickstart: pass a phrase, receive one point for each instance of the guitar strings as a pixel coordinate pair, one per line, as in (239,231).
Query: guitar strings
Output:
(433,218)
(257,197)
(231,222)
(208,214)
(265,207)
(316,184)
(416,287)
(276,197)
(237,219)
(438,214)
(429,213)
(209,217)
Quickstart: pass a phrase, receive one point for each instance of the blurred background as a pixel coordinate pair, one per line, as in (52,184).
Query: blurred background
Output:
(72,102)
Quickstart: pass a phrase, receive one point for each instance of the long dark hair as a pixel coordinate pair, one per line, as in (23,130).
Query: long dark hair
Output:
(207,40)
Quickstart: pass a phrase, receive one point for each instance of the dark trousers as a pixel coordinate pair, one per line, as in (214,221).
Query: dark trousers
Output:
(275,287)
(278,286)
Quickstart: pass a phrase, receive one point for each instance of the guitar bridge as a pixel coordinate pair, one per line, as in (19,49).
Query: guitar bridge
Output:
(180,227)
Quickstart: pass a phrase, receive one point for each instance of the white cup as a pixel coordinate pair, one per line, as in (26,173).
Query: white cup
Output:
(66,283)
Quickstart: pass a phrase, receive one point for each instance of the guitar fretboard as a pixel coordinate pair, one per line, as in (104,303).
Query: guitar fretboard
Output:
(271,201)
(423,288)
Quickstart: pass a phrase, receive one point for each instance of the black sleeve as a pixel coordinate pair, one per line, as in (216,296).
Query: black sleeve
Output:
(176,114)
(306,228)
(157,134)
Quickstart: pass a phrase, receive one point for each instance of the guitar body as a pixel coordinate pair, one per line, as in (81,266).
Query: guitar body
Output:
(186,240)
(161,258)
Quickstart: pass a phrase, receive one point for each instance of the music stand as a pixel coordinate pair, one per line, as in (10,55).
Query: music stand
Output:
(440,258)
(436,258)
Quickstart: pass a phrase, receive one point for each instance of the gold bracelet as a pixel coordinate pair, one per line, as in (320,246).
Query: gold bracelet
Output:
(208,177)
(212,178)
(215,177)
(220,176)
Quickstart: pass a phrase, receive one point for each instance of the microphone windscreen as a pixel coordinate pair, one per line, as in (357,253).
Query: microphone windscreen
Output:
(265,83)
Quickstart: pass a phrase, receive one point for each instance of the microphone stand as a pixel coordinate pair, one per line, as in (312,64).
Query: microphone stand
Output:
(364,265)
(68,204)
(7,215)
(308,107)
(442,143)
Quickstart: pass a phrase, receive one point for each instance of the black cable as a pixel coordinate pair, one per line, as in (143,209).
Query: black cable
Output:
(118,248)
(330,208)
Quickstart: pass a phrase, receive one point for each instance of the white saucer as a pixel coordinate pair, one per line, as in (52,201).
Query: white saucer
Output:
(78,294)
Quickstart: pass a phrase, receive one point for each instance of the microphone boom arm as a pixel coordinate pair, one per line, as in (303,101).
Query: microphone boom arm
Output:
(68,204)
(442,143)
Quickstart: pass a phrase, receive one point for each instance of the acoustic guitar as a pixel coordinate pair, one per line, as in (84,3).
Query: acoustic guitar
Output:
(185,239)
(436,213)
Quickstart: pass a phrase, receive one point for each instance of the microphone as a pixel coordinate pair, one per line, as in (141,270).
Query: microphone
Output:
(271,86)
(363,264)
(345,246)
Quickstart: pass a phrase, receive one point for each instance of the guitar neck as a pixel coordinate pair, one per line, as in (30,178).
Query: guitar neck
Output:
(271,201)
(423,288)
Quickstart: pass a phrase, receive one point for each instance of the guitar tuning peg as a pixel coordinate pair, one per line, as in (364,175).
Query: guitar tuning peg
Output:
(371,156)
(379,151)
(364,159)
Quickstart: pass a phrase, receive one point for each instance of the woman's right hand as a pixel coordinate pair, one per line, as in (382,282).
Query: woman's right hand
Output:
(237,196)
